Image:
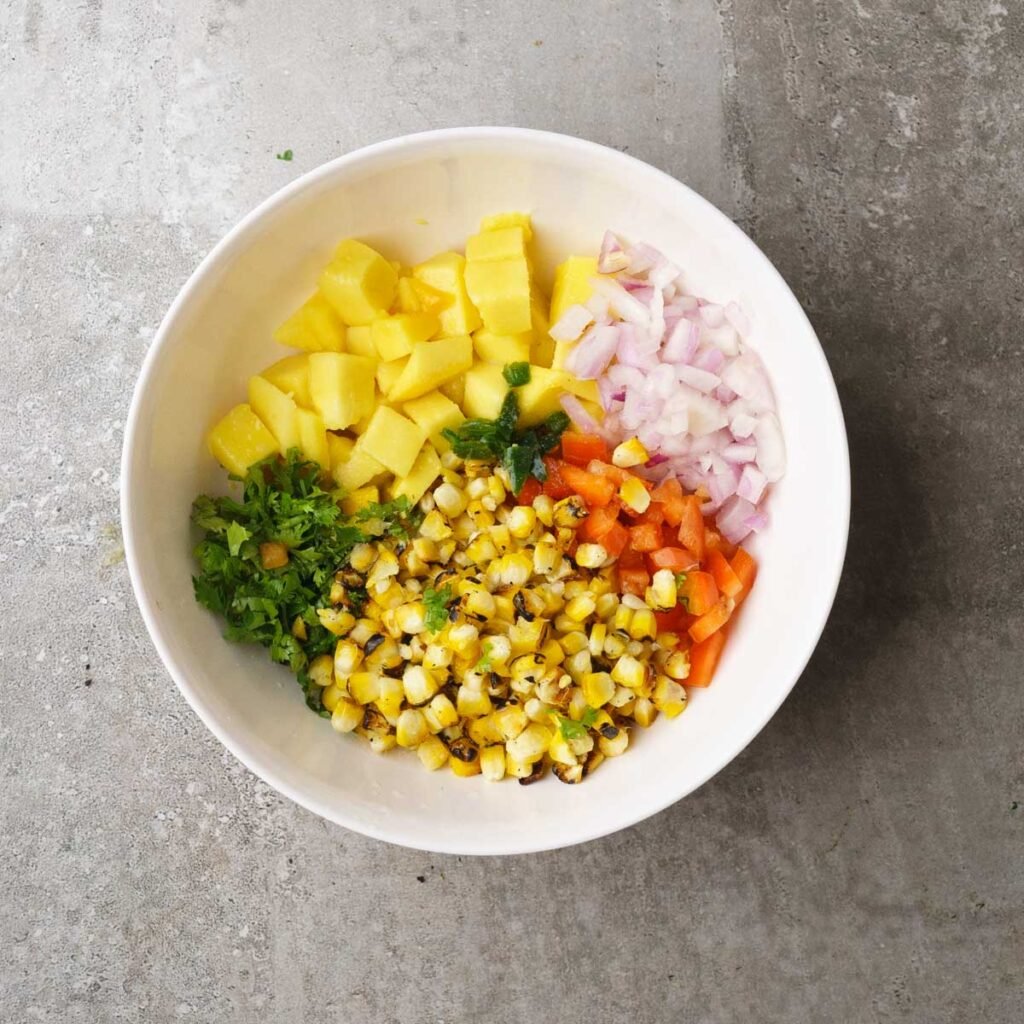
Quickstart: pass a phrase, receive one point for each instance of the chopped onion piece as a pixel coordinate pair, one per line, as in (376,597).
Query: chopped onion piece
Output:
(712,314)
(612,257)
(752,484)
(622,302)
(593,352)
(699,379)
(571,324)
(737,318)
(732,518)
(771,448)
(578,414)
(740,453)
(681,344)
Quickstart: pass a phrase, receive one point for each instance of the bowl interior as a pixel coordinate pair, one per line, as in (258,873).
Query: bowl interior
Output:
(411,198)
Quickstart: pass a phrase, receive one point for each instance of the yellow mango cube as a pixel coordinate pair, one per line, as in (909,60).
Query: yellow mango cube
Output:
(314,326)
(291,375)
(313,439)
(486,388)
(585,390)
(430,299)
(541,397)
(240,439)
(339,448)
(388,373)
(408,300)
(497,244)
(572,284)
(359,341)
(431,364)
(393,440)
(394,336)
(359,498)
(425,470)
(454,389)
(357,470)
(341,387)
(496,221)
(434,412)
(502,348)
(277,410)
(542,352)
(500,290)
(359,283)
(446,273)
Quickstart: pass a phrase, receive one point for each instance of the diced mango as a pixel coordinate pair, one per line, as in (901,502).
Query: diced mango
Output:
(431,364)
(425,470)
(240,439)
(434,412)
(541,397)
(595,409)
(496,221)
(291,375)
(500,290)
(454,388)
(430,299)
(408,300)
(314,326)
(486,388)
(339,448)
(394,336)
(497,244)
(586,390)
(313,438)
(572,284)
(446,273)
(388,373)
(277,410)
(359,498)
(542,351)
(341,387)
(357,470)
(393,440)
(359,283)
(502,348)
(359,342)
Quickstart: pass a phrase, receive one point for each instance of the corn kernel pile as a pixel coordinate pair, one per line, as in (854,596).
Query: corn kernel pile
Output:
(539,665)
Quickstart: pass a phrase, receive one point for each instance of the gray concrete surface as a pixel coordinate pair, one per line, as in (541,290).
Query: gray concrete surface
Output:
(861,861)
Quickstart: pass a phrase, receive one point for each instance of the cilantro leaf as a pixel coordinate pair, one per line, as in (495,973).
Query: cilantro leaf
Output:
(516,374)
(484,664)
(398,518)
(286,155)
(436,603)
(236,535)
(570,728)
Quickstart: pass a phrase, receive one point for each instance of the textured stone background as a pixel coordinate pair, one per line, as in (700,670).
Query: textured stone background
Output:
(861,861)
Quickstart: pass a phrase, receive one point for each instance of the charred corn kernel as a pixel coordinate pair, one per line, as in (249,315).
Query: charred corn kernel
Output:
(622,618)
(621,698)
(483,731)
(337,594)
(347,658)
(595,643)
(492,762)
(445,550)
(411,618)
(668,696)
(432,753)
(473,703)
(321,670)
(669,641)
(381,743)
(573,588)
(544,506)
(411,729)
(598,688)
(364,687)
(563,624)
(568,773)
(426,503)
(630,453)
(644,711)
(590,556)
(614,646)
(384,567)
(412,563)
(434,527)
(511,720)
(546,559)
(390,596)
(570,512)
(662,594)
(635,495)
(635,648)
(677,666)
(528,668)
(419,685)
(499,650)
(578,664)
(496,489)
(299,628)
(362,557)
(389,699)
(574,642)
(627,671)
(479,604)
(552,652)
(526,636)
(476,488)
(464,637)
(450,500)
(502,538)
(559,750)
(521,521)
(464,769)
(346,715)
(504,609)
(607,604)
(331,696)
(537,711)
(335,620)
(632,602)
(643,626)
(615,745)
(517,769)
(440,713)
(531,744)
(481,517)
(581,607)
(481,551)
(437,656)
(577,704)
(362,631)
(425,548)
(513,569)
(387,655)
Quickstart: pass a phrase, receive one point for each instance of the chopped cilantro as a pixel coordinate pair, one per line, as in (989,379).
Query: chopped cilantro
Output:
(484,664)
(516,374)
(573,730)
(396,518)
(286,155)
(436,603)
(236,534)
(680,578)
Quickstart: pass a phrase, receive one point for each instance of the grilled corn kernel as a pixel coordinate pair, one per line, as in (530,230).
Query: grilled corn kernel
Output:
(499,650)
(337,594)
(445,550)
(463,637)
(627,671)
(521,521)
(614,646)
(347,658)
(464,769)
(581,607)
(480,515)
(644,711)
(595,643)
(630,453)
(364,687)
(321,670)
(568,773)
(527,668)
(331,696)
(434,527)
(492,763)
(573,588)
(513,569)
(678,665)
(387,655)
(347,714)
(559,750)
(668,696)
(476,488)
(598,688)
(432,753)
(578,664)
(481,551)
(552,652)
(511,721)
(473,703)
(612,747)
(450,500)
(546,559)
(621,619)
(633,602)
(570,512)
(643,626)
(425,548)
(496,489)
(607,604)
(389,699)
(484,731)
(517,769)
(537,711)
(419,685)
(362,557)
(531,744)
(544,506)
(662,593)
(621,698)
(411,729)
(574,642)
(437,656)
(552,691)
(336,621)
(362,631)
(577,704)
(635,495)
(411,618)
(384,567)
(479,604)
(634,648)
(590,556)
(440,713)
(502,537)
(299,628)
(381,743)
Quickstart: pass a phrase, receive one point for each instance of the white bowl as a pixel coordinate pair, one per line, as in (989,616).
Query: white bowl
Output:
(411,197)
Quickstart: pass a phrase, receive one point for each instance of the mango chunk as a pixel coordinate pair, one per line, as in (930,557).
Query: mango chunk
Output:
(357,470)
(430,299)
(572,284)
(277,410)
(434,412)
(585,390)
(446,273)
(341,387)
(313,439)
(314,326)
(500,290)
(425,470)
(388,373)
(485,391)
(393,440)
(359,342)
(359,283)
(497,244)
(542,352)
(394,336)
(431,364)
(240,439)
(496,221)
(408,300)
(291,375)
(454,389)
(502,348)
(359,499)
(541,397)
(339,448)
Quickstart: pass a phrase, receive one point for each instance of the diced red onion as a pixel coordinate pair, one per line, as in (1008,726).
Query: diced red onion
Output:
(712,314)
(578,414)
(701,380)
(656,460)
(622,302)
(571,324)
(771,448)
(681,343)
(724,393)
(593,352)
(732,518)
(756,522)
(642,257)
(752,484)
(740,453)
(710,359)
(663,274)
(742,425)
(612,257)
(737,318)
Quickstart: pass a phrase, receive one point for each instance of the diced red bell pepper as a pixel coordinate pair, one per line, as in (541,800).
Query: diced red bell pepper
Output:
(615,540)
(745,569)
(599,522)
(594,490)
(699,593)
(555,487)
(599,468)
(704,659)
(669,494)
(711,622)
(725,578)
(645,537)
(633,581)
(630,558)
(691,527)
(529,491)
(675,620)
(579,449)
(676,559)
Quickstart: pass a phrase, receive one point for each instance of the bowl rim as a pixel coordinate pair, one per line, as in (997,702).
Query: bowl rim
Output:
(224,247)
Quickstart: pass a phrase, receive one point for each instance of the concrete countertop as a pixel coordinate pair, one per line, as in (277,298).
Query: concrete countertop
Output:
(861,861)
